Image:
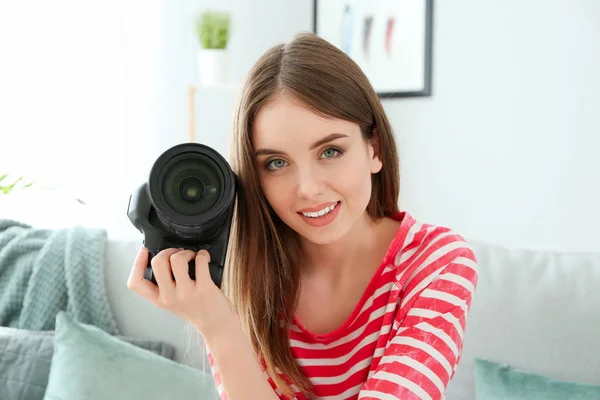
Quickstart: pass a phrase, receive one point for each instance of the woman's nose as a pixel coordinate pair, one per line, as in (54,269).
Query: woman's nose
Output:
(310,184)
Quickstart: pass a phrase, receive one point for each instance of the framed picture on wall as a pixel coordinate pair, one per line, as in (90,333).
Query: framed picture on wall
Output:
(391,40)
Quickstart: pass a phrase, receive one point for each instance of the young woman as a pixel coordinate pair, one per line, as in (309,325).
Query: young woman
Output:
(330,291)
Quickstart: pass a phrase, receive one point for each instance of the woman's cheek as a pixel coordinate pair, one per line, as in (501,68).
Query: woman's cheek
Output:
(277,191)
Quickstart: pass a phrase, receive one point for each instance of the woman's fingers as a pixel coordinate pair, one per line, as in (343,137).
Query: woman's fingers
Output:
(171,271)
(201,302)
(136,281)
(161,266)
(202,270)
(180,265)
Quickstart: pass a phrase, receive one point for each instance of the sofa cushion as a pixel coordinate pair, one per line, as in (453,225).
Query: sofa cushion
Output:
(91,364)
(25,358)
(501,382)
(536,311)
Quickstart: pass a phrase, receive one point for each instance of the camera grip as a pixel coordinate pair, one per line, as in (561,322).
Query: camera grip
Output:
(216,271)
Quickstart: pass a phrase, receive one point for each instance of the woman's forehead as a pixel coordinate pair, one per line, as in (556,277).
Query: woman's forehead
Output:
(286,120)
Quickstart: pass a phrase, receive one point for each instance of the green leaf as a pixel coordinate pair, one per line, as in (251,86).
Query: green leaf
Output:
(6,189)
(9,188)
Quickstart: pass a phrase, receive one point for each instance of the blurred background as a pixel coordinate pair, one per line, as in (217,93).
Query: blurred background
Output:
(505,149)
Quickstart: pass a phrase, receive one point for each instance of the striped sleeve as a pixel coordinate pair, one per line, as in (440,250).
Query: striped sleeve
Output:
(216,376)
(421,357)
(219,386)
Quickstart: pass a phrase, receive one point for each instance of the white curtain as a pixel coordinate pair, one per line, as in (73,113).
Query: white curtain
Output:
(78,107)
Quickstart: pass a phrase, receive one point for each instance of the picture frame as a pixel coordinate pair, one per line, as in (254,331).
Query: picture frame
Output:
(390,40)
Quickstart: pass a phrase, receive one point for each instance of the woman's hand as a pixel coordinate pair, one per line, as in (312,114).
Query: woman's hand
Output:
(200,302)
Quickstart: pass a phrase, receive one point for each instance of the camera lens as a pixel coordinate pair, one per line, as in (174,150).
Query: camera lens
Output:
(191,185)
(192,188)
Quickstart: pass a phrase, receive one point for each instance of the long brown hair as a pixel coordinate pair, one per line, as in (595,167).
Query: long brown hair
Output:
(261,279)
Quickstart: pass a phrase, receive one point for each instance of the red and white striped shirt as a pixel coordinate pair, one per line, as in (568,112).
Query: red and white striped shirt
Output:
(404,337)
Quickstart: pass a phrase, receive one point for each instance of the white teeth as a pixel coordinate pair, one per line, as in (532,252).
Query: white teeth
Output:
(324,211)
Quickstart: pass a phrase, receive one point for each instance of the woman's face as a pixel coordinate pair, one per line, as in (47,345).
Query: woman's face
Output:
(315,172)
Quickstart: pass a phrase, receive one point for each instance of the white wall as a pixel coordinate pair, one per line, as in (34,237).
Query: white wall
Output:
(504,149)
(64,100)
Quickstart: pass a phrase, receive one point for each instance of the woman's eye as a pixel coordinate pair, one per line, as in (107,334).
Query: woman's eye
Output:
(276,164)
(331,153)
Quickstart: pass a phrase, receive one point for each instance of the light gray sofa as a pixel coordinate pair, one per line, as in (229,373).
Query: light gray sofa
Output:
(536,311)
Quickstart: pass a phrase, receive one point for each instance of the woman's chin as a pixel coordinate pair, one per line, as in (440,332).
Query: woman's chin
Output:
(320,238)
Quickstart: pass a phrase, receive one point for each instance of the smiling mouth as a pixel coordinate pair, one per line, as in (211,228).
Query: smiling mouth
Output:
(322,212)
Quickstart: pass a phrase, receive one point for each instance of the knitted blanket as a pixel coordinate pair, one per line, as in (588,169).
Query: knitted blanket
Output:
(44,271)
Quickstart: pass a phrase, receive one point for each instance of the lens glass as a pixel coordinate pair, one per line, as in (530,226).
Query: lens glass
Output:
(192,184)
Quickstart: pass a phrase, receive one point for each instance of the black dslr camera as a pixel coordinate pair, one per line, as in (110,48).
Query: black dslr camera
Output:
(187,202)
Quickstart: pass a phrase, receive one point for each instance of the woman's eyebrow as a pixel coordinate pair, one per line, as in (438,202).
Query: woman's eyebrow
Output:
(326,139)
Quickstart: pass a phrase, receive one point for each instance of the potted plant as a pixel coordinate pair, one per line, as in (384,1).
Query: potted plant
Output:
(213,29)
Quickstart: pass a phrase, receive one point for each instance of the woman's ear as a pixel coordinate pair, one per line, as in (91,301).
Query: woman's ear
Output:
(375,152)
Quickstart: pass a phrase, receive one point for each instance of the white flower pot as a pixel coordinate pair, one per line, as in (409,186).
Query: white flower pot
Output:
(213,66)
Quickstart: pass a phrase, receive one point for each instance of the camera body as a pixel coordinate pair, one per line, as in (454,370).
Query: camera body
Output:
(187,202)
